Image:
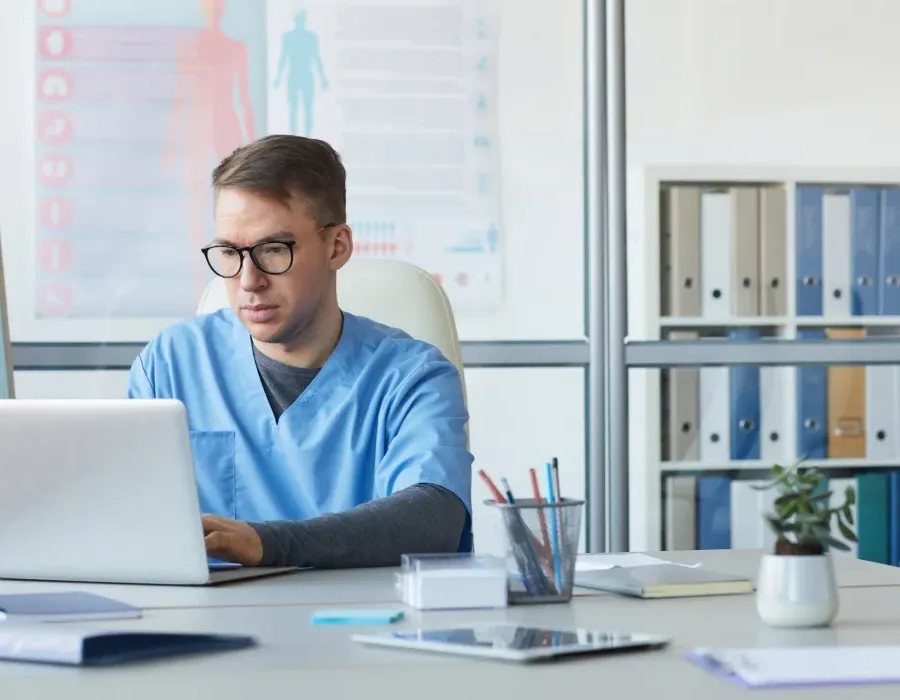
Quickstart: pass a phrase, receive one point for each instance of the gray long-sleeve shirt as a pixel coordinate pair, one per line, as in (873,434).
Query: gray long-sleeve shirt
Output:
(420,519)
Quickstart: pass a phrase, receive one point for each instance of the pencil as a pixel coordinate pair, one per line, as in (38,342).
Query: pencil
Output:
(495,492)
(541,516)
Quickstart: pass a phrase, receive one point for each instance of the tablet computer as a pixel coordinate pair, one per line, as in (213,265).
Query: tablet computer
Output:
(511,642)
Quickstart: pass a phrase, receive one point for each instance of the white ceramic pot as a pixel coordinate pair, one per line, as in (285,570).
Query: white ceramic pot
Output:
(796,591)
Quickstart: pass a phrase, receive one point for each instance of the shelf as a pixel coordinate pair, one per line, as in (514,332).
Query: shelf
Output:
(682,245)
(741,465)
(737,321)
(855,321)
(669,322)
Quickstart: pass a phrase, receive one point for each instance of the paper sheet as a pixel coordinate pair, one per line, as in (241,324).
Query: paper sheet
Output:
(803,665)
(600,562)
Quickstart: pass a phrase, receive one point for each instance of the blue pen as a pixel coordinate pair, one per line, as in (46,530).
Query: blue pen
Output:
(554,531)
(529,565)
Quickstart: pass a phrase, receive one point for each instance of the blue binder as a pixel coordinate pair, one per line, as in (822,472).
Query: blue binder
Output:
(889,258)
(809,251)
(812,405)
(744,396)
(714,512)
(894,518)
(865,230)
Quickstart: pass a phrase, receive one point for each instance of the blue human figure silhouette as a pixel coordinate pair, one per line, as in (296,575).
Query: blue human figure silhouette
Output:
(300,55)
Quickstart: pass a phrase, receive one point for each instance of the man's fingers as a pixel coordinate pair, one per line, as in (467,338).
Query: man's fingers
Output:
(212,523)
(217,541)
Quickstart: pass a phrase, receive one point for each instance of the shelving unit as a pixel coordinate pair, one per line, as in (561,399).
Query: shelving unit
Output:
(649,466)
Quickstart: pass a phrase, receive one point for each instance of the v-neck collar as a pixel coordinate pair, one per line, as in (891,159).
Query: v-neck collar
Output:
(335,371)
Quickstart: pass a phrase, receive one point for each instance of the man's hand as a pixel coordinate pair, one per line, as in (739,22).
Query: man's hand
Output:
(232,540)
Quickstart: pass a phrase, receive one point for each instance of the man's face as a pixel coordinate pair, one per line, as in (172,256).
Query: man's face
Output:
(279,308)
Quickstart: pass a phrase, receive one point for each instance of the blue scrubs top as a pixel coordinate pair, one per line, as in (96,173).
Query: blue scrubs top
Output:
(385,412)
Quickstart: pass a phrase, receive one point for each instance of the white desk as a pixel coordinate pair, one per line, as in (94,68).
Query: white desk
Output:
(377,585)
(295,657)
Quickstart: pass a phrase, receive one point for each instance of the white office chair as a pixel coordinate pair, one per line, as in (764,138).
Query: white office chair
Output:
(391,292)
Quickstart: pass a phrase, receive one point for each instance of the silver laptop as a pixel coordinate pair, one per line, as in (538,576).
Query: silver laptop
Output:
(103,490)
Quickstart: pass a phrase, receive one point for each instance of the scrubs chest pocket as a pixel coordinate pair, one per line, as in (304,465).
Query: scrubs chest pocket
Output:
(214,470)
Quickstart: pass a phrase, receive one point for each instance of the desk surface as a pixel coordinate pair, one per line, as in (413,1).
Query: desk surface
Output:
(294,656)
(377,585)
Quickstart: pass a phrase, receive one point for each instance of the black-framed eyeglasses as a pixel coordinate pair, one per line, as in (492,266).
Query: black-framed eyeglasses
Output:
(271,257)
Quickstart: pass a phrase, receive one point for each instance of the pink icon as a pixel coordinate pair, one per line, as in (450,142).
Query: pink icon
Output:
(54,169)
(462,279)
(55,212)
(55,8)
(54,127)
(438,277)
(54,84)
(54,299)
(54,43)
(54,255)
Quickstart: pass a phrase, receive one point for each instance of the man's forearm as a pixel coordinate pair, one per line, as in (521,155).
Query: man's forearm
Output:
(421,519)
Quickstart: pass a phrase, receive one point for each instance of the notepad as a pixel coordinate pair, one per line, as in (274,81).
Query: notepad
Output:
(74,645)
(68,606)
(799,666)
(625,560)
(354,616)
(663,581)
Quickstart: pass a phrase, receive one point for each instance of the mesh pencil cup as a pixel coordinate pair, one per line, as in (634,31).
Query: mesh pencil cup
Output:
(542,544)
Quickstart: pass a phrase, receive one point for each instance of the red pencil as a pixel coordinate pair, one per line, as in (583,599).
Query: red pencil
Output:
(495,492)
(537,497)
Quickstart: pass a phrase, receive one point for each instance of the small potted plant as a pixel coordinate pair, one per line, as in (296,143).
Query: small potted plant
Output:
(796,586)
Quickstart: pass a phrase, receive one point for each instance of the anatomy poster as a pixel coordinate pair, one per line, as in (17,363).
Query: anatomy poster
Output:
(406,93)
(136,102)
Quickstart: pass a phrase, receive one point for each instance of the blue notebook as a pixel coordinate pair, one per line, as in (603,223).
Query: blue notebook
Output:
(72,645)
(69,606)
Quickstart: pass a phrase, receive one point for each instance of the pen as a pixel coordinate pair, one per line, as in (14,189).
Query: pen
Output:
(563,514)
(509,496)
(554,532)
(530,564)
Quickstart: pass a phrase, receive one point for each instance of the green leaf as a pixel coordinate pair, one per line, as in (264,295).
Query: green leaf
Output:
(848,514)
(812,519)
(846,532)
(850,496)
(831,542)
(776,524)
(824,496)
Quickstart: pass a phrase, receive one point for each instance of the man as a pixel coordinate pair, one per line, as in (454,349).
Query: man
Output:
(320,438)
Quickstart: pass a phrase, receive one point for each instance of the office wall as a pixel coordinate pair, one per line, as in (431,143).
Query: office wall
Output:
(540,121)
(520,417)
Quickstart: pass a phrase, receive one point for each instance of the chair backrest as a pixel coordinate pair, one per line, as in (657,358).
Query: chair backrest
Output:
(392,292)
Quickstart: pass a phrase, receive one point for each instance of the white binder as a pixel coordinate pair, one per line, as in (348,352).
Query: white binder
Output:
(715,439)
(774,382)
(715,255)
(836,279)
(882,415)
(749,529)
